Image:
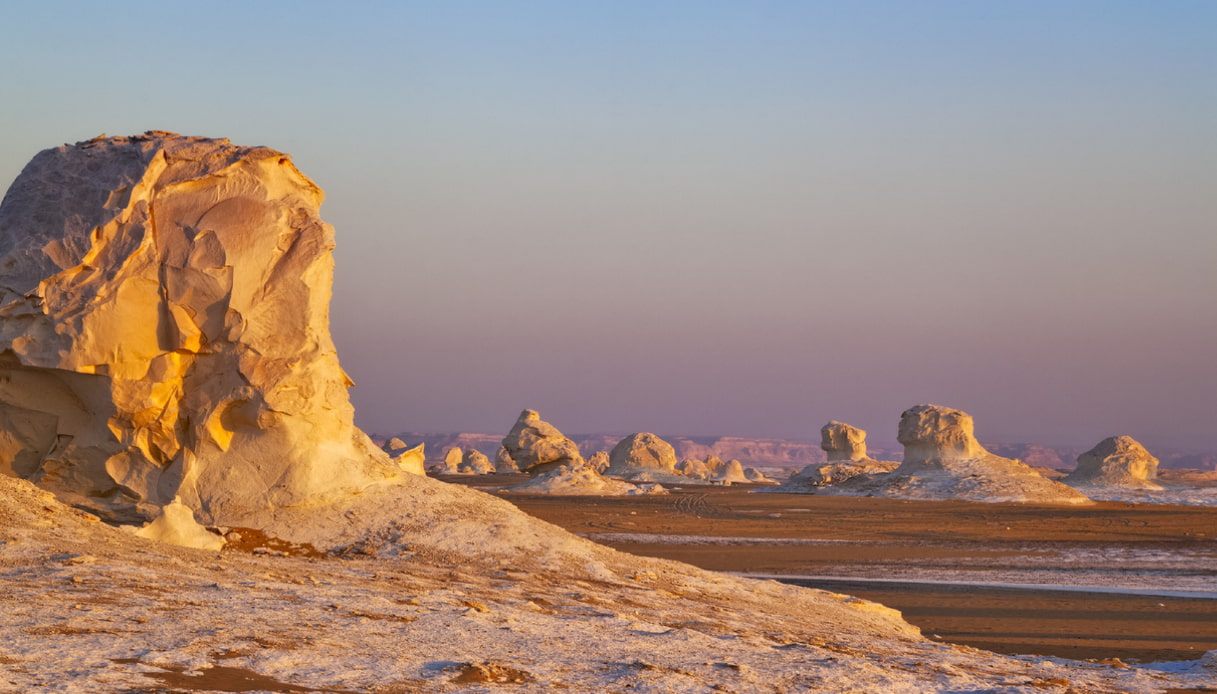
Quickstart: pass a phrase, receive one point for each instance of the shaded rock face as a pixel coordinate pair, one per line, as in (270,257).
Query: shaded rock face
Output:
(164,332)
(1117,461)
(932,434)
(641,452)
(842,442)
(503,462)
(535,444)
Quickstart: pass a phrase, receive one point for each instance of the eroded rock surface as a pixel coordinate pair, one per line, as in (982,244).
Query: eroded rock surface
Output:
(536,444)
(475,463)
(1116,461)
(164,306)
(841,442)
(643,456)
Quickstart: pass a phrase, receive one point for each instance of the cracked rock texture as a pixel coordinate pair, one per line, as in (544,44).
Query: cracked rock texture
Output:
(165,305)
(842,442)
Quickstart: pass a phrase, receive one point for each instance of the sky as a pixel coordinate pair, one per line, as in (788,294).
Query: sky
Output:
(709,218)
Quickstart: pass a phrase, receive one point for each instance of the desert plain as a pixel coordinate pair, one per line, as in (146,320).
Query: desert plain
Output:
(1136,582)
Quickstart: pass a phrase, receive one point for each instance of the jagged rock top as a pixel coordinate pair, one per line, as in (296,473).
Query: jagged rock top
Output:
(165,306)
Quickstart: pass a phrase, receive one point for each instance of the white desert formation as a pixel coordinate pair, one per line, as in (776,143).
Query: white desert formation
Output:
(536,444)
(411,460)
(643,457)
(164,332)
(842,442)
(503,462)
(1116,461)
(580,479)
(165,327)
(732,472)
(943,460)
(475,463)
(452,462)
(599,461)
(176,525)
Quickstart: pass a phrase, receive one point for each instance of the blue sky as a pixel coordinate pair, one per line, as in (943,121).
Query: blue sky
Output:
(739,218)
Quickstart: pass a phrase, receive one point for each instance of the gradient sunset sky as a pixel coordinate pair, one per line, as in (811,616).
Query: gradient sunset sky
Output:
(737,218)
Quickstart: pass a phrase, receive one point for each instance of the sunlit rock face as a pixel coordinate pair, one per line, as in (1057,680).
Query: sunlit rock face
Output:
(842,442)
(1117,461)
(932,434)
(164,331)
(475,462)
(536,445)
(641,453)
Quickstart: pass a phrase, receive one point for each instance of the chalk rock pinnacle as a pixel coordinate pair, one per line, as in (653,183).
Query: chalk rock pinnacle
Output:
(1117,461)
(536,444)
(843,442)
(164,332)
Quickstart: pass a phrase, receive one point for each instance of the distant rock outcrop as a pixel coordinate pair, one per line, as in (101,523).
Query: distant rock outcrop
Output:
(599,461)
(842,442)
(643,456)
(164,332)
(1117,461)
(475,463)
(943,460)
(732,472)
(580,479)
(536,444)
(503,463)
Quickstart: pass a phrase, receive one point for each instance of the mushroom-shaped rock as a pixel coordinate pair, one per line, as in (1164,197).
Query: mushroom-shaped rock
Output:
(1117,461)
(534,444)
(841,441)
(643,456)
(164,332)
(475,463)
(580,479)
(943,460)
(503,462)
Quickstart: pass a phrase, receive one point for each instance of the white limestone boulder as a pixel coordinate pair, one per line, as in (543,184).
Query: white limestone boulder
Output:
(536,444)
(503,462)
(643,457)
(475,462)
(164,332)
(1116,461)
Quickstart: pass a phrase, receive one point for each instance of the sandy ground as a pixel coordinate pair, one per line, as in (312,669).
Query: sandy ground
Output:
(1149,571)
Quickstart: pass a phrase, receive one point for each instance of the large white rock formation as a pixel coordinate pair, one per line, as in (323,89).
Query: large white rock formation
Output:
(943,460)
(1116,461)
(842,442)
(643,457)
(475,462)
(536,444)
(164,332)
